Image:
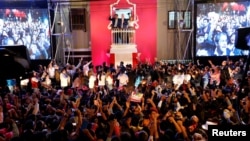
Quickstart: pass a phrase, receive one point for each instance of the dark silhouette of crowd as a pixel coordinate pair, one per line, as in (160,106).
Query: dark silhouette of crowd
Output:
(160,101)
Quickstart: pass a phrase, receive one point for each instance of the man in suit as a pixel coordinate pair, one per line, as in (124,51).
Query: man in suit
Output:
(116,24)
(123,22)
(124,26)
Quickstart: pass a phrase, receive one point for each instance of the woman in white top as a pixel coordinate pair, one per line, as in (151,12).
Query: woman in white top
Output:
(101,79)
(64,78)
(123,78)
(109,80)
(132,24)
(51,69)
(92,79)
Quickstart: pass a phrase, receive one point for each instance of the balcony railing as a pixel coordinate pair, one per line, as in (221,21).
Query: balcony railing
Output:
(123,36)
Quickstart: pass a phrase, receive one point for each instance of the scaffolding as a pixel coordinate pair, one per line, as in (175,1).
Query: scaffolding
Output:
(184,36)
(61,31)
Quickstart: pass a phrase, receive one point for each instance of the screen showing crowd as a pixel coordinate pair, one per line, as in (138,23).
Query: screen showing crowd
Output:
(216,28)
(29,27)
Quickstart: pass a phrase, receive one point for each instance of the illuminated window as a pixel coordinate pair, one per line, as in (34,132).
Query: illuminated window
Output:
(179,19)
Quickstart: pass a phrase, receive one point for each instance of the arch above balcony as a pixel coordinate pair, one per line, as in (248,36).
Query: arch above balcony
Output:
(126,9)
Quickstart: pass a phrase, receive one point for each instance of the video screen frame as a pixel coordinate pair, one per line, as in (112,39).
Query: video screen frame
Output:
(221,18)
(29,27)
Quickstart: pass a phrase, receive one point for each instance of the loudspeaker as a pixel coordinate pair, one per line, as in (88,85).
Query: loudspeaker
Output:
(14,61)
(18,51)
(242,38)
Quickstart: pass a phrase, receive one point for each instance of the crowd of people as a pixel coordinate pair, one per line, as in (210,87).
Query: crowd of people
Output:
(148,102)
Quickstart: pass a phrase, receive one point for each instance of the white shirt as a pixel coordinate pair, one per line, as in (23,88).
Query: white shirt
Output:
(64,80)
(178,80)
(123,79)
(131,23)
(101,81)
(92,80)
(116,22)
(187,78)
(85,68)
(109,80)
(51,72)
(24,82)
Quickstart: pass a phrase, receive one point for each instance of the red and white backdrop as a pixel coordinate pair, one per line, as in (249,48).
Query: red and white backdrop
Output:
(126,58)
(146,35)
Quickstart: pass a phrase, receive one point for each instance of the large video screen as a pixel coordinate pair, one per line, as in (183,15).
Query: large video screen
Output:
(29,27)
(217,25)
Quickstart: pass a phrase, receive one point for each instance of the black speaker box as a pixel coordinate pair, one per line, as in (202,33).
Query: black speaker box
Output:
(18,51)
(242,37)
(14,61)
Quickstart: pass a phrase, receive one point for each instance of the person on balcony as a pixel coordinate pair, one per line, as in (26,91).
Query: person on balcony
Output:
(116,24)
(123,32)
(132,25)
(124,22)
